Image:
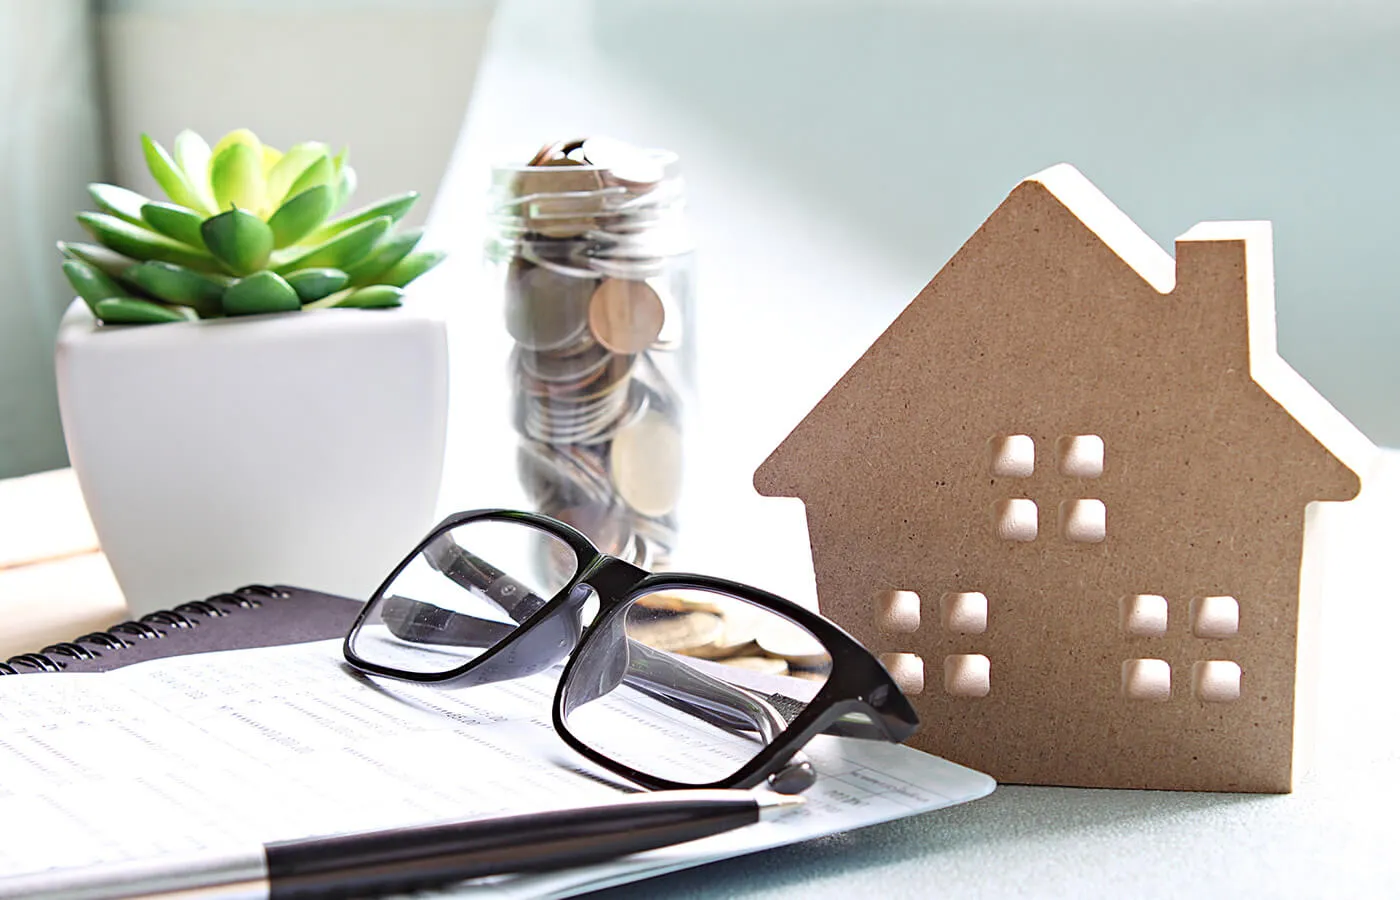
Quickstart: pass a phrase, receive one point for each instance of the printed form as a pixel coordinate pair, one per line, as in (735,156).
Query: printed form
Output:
(202,753)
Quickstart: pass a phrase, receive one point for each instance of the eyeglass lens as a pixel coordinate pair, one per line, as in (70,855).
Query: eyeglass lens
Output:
(465,592)
(718,679)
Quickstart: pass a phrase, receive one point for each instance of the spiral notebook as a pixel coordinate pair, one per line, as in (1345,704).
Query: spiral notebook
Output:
(252,616)
(242,724)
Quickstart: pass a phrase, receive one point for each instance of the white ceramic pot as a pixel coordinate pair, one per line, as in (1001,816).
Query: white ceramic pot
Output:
(298,448)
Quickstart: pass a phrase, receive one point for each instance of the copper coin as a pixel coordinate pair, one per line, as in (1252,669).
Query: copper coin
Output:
(562,197)
(556,176)
(625,316)
(546,153)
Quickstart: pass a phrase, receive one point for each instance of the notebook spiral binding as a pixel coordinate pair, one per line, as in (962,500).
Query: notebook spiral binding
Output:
(125,634)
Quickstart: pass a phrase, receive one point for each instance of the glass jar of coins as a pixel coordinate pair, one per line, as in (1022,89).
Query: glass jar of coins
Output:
(593,256)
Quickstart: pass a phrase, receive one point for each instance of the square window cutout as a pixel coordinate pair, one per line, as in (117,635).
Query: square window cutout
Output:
(1084,521)
(1015,520)
(1147,679)
(1215,617)
(967,675)
(1013,456)
(1080,455)
(907,670)
(963,613)
(1143,615)
(1216,681)
(897,611)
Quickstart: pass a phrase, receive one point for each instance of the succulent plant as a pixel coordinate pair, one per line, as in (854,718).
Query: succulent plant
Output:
(247,230)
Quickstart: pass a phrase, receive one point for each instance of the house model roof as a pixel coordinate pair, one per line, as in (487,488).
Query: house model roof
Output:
(1064,494)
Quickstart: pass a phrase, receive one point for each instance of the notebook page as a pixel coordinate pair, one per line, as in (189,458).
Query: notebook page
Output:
(216,751)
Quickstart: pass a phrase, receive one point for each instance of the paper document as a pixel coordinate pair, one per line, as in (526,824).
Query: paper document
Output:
(208,752)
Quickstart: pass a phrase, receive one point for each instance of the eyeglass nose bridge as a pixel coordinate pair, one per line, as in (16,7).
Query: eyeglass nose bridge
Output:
(612,579)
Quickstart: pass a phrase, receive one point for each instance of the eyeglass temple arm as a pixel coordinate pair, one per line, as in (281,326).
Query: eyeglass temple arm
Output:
(705,693)
(475,574)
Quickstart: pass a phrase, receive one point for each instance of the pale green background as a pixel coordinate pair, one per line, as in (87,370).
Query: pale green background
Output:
(906,121)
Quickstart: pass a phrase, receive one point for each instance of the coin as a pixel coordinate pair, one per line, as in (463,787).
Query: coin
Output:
(767,665)
(603,527)
(645,463)
(561,197)
(742,622)
(545,310)
(672,632)
(625,316)
(547,152)
(779,637)
(624,163)
(562,368)
(556,176)
(672,327)
(680,601)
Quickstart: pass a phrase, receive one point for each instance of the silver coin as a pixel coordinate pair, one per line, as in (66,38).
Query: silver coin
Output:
(624,163)
(645,463)
(545,310)
(562,368)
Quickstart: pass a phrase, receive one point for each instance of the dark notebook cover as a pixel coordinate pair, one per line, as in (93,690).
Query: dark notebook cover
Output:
(252,616)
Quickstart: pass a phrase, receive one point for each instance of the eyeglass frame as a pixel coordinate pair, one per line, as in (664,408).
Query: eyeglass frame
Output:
(857,686)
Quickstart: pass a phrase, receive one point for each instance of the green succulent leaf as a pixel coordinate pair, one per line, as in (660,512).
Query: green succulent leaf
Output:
(378,296)
(330,300)
(394,207)
(384,257)
(239,240)
(265,292)
(341,251)
(118,201)
(131,311)
(99,257)
(170,176)
(178,285)
(285,172)
(313,284)
(192,154)
(320,171)
(300,215)
(140,243)
(236,175)
(91,283)
(348,181)
(410,267)
(178,222)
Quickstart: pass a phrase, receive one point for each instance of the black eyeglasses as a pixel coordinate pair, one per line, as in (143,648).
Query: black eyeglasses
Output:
(494,595)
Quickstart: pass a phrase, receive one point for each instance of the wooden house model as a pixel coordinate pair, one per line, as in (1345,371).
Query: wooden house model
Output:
(1064,496)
